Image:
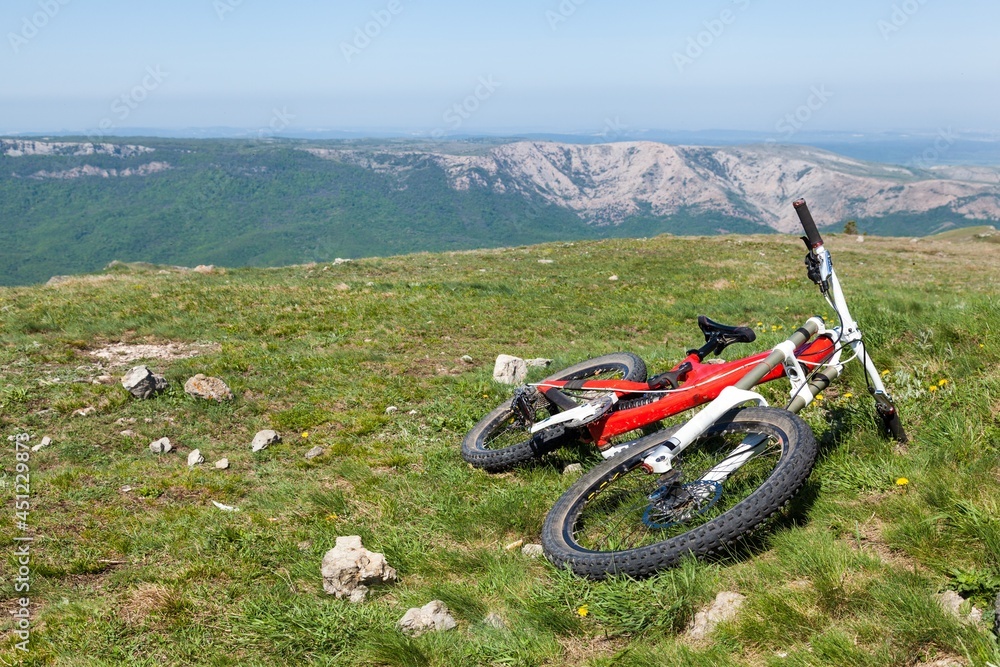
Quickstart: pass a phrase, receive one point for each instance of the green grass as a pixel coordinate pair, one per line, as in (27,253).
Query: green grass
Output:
(157,575)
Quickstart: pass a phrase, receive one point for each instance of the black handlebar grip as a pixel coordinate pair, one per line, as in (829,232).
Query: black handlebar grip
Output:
(805,217)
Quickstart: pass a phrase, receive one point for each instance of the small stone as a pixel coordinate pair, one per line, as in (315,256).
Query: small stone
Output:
(195,458)
(533,550)
(204,268)
(314,452)
(545,261)
(573,469)
(161,446)
(348,568)
(466,359)
(264,439)
(125,489)
(143,383)
(861,239)
(341,287)
(433,616)
(226,508)
(412,412)
(392,408)
(105,379)
(84,412)
(338,261)
(127,433)
(208,388)
(537,362)
(495,621)
(46,441)
(724,608)
(952,603)
(613,278)
(222,464)
(516,544)
(510,370)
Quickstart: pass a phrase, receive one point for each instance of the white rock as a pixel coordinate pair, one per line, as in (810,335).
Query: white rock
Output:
(392,408)
(46,441)
(263,439)
(545,261)
(952,603)
(349,568)
(161,446)
(861,239)
(208,388)
(573,469)
(433,616)
(314,452)
(538,361)
(509,369)
(84,412)
(226,508)
(195,458)
(466,359)
(533,550)
(222,464)
(413,412)
(724,608)
(340,261)
(612,278)
(516,544)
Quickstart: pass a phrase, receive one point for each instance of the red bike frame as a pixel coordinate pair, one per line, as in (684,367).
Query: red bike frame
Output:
(701,384)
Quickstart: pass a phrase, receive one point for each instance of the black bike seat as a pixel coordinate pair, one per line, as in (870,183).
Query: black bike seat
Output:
(725,334)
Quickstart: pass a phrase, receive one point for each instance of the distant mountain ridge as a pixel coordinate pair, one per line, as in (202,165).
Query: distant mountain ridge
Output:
(608,183)
(74,206)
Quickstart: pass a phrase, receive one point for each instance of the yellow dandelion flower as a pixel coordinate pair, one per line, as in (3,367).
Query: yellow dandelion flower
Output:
(305,434)
(981,345)
(848,395)
(332,517)
(583,611)
(933,387)
(942,382)
(819,397)
(760,324)
(884,373)
(902,481)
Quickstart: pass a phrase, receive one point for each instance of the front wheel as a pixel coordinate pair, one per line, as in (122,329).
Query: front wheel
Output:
(501,440)
(620,519)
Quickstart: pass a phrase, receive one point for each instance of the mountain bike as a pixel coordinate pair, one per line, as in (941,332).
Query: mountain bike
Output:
(602,399)
(695,488)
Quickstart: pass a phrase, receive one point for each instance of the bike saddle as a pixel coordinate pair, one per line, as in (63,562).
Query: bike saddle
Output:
(720,336)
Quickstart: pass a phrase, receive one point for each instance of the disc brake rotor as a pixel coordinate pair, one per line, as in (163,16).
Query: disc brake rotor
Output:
(672,504)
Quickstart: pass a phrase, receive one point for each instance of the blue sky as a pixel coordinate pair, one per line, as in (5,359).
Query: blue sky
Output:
(517,66)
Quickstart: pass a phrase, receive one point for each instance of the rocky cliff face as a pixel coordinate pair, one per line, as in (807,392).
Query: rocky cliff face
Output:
(607,183)
(21,147)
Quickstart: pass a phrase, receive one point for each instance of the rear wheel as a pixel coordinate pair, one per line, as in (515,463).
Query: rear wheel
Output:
(620,519)
(502,440)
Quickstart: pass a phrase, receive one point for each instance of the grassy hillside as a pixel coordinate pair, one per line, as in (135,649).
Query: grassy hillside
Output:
(132,563)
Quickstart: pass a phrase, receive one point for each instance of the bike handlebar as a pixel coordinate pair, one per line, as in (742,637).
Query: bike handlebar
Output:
(805,217)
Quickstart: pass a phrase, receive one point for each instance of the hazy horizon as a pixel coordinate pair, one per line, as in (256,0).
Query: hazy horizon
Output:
(527,66)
